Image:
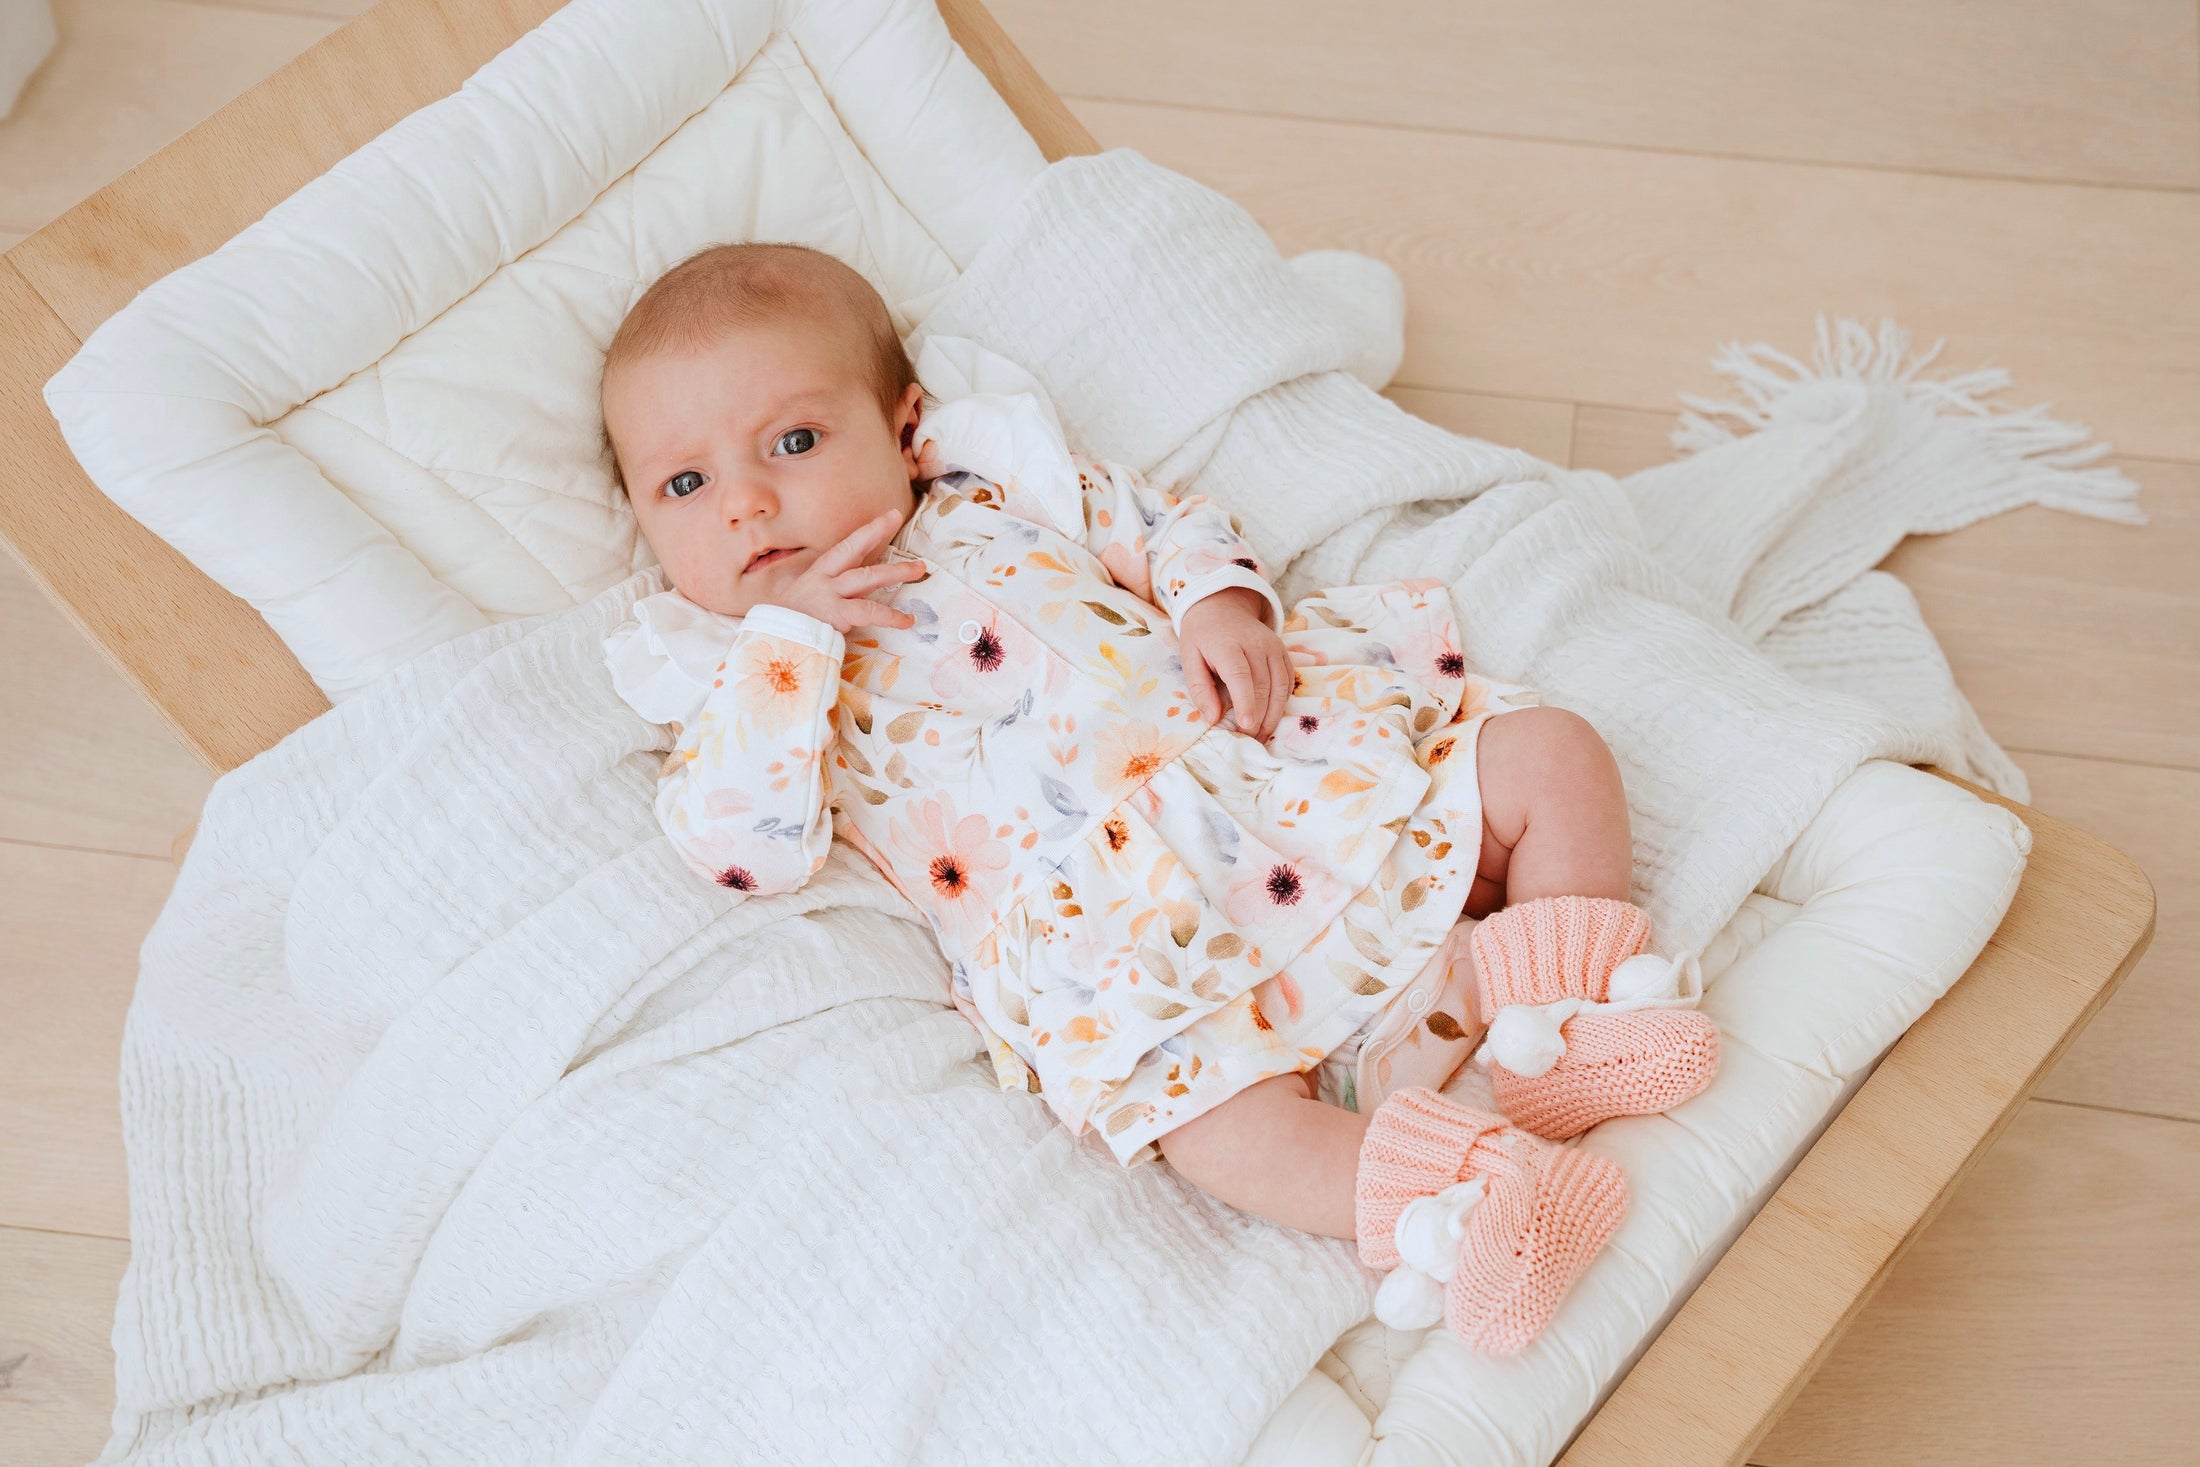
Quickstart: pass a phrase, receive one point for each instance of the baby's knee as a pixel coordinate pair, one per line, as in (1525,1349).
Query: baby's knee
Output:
(1553,748)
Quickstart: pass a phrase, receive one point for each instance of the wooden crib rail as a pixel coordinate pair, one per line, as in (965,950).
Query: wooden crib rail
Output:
(1747,1341)
(221,680)
(1036,105)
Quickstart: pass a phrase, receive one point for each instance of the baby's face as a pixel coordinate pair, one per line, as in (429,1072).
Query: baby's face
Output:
(748,458)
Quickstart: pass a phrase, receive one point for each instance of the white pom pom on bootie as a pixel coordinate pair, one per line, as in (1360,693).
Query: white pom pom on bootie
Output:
(1528,1039)
(1411,1296)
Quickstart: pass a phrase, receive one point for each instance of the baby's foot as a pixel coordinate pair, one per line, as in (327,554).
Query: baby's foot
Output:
(1480,1223)
(1566,1051)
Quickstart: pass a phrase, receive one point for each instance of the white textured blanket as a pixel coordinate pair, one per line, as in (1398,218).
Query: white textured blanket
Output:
(1171,336)
(464,1125)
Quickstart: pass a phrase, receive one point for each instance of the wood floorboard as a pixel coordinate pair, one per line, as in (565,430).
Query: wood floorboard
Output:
(2045,1317)
(84,761)
(74,922)
(128,76)
(2022,88)
(57,1386)
(2069,635)
(2138,1054)
(1603,275)
(336,10)
(1622,441)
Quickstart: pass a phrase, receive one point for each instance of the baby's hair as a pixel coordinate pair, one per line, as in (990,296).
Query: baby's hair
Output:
(726,286)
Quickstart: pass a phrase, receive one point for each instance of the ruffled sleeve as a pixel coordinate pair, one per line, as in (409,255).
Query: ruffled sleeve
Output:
(665,654)
(743,796)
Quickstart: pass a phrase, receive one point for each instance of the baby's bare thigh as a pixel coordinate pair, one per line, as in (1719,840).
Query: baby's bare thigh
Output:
(1543,767)
(1276,1150)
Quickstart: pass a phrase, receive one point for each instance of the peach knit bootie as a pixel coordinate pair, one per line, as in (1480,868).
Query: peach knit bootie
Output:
(1584,1025)
(1480,1224)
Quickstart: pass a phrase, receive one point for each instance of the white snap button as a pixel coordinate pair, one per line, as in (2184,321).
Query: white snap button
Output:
(1417,1001)
(970,633)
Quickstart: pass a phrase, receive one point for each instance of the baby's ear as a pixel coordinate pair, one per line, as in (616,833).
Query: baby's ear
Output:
(908,416)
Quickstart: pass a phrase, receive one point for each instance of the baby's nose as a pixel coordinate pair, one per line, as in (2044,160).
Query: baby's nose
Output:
(747,500)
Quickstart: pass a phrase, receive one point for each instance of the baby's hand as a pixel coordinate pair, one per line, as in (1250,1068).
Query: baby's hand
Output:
(837,586)
(1226,642)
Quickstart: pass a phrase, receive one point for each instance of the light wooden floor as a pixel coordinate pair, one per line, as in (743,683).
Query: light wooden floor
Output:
(1584,200)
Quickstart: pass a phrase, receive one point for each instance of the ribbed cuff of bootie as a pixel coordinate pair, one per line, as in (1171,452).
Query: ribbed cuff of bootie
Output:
(1475,1222)
(1554,948)
(1416,1145)
(1583,1026)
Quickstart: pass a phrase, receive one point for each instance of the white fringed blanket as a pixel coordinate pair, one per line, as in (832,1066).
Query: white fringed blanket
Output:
(1172,337)
(465,1125)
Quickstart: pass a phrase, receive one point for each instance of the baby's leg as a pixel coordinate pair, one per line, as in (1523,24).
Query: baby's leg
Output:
(1554,815)
(1274,1150)
(1553,883)
(1500,1254)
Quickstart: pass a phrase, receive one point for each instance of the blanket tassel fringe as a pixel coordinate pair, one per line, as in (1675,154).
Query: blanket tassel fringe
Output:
(2026,455)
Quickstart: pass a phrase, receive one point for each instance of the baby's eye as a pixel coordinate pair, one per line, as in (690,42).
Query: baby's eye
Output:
(680,486)
(796,441)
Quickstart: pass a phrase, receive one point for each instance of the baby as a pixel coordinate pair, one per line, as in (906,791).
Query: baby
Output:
(1234,882)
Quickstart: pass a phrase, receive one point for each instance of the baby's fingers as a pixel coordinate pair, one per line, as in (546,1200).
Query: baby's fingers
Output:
(1248,694)
(1279,688)
(863,612)
(1201,682)
(865,579)
(858,546)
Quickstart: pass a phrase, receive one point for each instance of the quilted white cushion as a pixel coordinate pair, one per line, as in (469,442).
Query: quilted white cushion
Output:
(373,416)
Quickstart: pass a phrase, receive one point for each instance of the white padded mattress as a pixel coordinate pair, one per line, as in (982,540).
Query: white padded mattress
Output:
(1882,902)
(372,416)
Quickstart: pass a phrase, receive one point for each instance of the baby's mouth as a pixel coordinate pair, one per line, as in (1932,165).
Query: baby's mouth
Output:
(764,558)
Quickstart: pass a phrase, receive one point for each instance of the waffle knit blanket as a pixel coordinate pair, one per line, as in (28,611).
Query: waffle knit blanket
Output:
(465,1125)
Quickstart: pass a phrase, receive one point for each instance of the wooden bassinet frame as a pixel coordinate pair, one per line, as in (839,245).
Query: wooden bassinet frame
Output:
(1718,1376)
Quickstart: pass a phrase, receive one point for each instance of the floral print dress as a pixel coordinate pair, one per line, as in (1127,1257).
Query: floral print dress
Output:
(1144,912)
